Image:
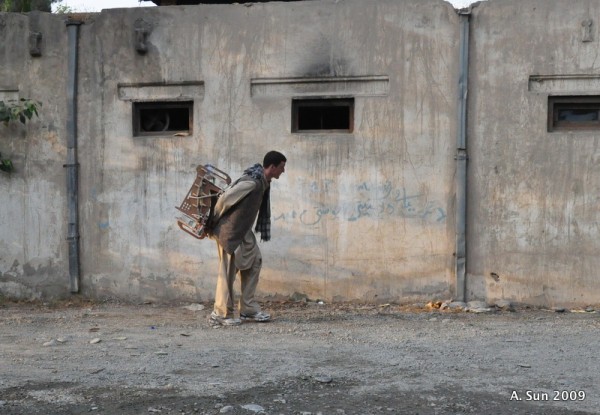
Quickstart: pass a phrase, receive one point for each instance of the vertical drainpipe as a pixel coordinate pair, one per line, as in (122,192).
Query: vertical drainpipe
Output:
(461,160)
(72,164)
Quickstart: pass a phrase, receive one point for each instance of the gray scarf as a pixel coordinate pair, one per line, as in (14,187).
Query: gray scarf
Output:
(263,223)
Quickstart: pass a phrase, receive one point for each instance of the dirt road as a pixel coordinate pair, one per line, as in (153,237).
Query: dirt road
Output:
(312,359)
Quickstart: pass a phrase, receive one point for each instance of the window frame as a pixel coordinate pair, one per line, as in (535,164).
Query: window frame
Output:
(303,102)
(556,103)
(139,106)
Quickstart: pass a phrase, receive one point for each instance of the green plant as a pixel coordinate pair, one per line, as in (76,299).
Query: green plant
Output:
(6,165)
(23,6)
(63,9)
(21,110)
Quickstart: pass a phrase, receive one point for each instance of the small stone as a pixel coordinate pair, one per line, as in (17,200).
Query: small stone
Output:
(50,343)
(478,307)
(194,307)
(95,341)
(253,407)
(161,353)
(226,409)
(457,305)
(324,379)
(299,297)
(61,340)
(121,338)
(505,305)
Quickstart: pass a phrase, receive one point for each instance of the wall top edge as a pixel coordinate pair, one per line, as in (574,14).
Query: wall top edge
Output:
(158,83)
(324,79)
(544,78)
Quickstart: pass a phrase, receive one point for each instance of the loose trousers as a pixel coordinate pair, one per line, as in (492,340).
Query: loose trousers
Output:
(247,260)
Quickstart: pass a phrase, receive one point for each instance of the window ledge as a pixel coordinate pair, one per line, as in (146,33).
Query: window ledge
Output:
(375,85)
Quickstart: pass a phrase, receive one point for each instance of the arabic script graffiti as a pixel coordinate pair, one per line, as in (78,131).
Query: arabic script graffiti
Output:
(370,201)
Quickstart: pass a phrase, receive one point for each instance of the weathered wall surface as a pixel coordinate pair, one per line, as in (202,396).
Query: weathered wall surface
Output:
(533,206)
(366,215)
(33,258)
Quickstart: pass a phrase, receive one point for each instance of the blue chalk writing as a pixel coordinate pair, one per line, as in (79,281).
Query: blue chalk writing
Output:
(372,201)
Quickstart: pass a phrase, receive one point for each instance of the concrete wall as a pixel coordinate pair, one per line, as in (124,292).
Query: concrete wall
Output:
(33,257)
(533,205)
(366,215)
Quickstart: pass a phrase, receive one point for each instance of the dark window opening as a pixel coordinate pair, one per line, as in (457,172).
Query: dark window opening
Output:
(568,113)
(318,115)
(160,118)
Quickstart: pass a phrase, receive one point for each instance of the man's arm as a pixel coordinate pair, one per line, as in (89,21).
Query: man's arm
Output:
(232,196)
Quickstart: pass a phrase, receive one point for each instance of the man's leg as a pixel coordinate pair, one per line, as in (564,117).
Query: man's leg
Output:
(249,262)
(249,279)
(225,279)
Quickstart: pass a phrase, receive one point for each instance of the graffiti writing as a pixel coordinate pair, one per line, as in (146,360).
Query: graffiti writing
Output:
(371,201)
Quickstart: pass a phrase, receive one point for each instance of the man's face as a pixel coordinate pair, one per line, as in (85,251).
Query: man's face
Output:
(278,170)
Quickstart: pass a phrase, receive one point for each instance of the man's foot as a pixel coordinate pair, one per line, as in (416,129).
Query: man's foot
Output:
(260,317)
(216,320)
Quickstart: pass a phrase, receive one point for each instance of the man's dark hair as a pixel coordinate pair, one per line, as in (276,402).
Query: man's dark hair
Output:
(273,158)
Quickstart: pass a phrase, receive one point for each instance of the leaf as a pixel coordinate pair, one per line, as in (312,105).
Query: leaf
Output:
(6,165)
(23,109)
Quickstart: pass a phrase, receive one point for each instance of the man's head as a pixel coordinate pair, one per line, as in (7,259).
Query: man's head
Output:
(274,165)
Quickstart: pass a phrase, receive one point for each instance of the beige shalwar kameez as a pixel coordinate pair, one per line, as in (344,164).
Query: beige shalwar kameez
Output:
(246,259)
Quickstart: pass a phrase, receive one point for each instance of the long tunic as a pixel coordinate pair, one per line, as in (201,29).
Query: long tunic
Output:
(236,211)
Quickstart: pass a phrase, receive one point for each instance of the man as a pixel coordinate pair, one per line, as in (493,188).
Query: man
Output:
(235,212)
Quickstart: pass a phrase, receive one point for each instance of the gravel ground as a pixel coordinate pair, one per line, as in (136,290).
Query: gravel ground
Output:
(118,359)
